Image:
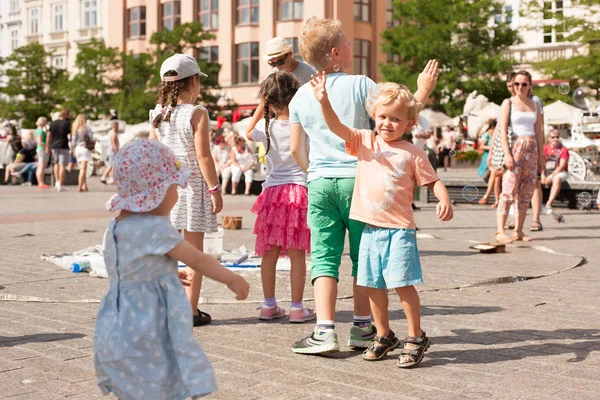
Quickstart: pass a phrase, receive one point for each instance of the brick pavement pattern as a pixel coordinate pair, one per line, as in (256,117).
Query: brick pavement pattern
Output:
(531,338)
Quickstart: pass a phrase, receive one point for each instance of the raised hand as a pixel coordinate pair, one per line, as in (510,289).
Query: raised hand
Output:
(429,77)
(318,84)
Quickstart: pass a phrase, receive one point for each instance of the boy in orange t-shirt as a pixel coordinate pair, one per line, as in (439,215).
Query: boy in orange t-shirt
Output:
(388,168)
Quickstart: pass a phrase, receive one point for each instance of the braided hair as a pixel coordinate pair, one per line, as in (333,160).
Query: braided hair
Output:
(168,94)
(277,90)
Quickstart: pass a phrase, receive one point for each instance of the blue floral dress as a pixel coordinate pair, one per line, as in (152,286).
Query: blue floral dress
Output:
(143,344)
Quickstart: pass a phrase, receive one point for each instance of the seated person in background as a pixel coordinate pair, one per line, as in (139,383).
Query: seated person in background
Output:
(29,141)
(24,157)
(556,158)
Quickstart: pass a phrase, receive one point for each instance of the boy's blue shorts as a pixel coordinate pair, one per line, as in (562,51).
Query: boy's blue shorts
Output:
(388,258)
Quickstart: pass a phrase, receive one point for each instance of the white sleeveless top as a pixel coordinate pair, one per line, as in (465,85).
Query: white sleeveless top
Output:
(523,122)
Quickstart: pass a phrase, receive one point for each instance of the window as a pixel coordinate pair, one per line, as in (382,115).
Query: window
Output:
(14,5)
(390,14)
(393,58)
(246,62)
(34,21)
(289,10)
(90,13)
(362,49)
(137,22)
(247,12)
(208,54)
(508,14)
(171,14)
(362,10)
(554,33)
(58,62)
(294,42)
(209,14)
(58,13)
(14,39)
(552,8)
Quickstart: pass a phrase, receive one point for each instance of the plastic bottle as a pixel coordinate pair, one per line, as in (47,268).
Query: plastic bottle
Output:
(80,266)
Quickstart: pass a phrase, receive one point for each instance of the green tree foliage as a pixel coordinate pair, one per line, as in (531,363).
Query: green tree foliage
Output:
(90,90)
(32,85)
(583,28)
(462,36)
(135,97)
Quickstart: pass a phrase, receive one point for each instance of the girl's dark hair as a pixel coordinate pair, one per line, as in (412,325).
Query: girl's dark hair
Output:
(277,90)
(493,123)
(168,93)
(525,74)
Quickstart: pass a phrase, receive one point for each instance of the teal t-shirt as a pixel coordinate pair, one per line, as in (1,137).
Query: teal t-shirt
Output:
(42,133)
(348,95)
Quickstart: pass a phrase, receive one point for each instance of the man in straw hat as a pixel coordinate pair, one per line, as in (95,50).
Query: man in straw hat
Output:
(280,55)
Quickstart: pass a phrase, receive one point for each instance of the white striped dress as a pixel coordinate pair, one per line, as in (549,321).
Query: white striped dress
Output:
(193,211)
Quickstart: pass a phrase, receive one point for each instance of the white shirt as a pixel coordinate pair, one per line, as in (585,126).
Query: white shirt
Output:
(282,168)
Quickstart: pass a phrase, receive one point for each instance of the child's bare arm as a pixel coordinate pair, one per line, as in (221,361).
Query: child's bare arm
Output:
(444,207)
(206,265)
(333,122)
(298,146)
(426,82)
(258,114)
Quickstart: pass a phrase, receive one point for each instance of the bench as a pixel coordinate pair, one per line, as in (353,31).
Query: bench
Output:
(568,196)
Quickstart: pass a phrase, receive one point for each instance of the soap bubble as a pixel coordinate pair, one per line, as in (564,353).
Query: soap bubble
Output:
(595,191)
(564,88)
(328,57)
(470,193)
(336,67)
(584,198)
(452,153)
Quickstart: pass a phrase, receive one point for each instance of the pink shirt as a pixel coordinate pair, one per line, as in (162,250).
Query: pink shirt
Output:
(385,179)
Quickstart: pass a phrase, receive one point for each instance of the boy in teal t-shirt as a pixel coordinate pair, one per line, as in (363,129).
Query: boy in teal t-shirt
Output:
(331,174)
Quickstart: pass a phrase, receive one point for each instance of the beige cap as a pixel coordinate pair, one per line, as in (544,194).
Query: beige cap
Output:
(184,64)
(277,47)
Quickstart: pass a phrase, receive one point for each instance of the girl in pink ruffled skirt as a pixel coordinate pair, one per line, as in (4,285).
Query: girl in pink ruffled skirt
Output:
(281,227)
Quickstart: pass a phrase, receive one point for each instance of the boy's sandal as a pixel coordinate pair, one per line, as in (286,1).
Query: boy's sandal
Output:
(521,237)
(536,226)
(380,346)
(202,318)
(416,352)
(502,238)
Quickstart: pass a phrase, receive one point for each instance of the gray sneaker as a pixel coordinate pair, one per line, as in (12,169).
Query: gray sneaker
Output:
(318,342)
(361,337)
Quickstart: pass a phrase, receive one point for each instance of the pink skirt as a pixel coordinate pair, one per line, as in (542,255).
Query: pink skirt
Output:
(281,219)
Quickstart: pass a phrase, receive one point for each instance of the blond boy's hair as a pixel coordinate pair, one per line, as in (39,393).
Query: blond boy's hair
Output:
(388,92)
(317,38)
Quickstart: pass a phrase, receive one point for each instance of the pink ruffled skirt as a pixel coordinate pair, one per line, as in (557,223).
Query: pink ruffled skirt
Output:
(281,219)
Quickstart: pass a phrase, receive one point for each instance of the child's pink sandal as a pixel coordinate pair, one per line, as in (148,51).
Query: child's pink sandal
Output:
(269,313)
(303,314)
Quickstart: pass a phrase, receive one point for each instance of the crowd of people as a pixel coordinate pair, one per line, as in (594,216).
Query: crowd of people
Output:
(352,180)
(350,167)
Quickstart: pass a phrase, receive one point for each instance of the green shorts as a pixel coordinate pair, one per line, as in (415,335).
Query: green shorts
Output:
(329,202)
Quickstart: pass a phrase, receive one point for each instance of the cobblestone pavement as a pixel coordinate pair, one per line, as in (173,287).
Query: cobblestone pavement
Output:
(523,324)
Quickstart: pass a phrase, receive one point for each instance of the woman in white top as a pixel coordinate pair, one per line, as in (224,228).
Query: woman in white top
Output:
(82,137)
(221,155)
(523,157)
(241,163)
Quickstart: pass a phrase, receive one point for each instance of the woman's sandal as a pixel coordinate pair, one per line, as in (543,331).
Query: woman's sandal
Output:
(380,346)
(536,226)
(510,225)
(495,205)
(202,318)
(483,200)
(521,237)
(417,346)
(502,238)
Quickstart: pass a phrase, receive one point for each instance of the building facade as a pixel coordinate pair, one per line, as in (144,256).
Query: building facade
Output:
(541,32)
(242,27)
(11,26)
(61,25)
